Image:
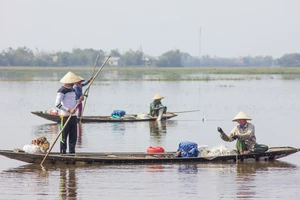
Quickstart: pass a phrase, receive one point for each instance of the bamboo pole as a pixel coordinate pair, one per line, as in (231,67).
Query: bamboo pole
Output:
(87,94)
(186,111)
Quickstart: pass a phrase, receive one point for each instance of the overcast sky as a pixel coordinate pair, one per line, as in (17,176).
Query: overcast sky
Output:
(229,28)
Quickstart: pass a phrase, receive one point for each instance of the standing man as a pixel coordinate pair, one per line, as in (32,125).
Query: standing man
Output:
(66,102)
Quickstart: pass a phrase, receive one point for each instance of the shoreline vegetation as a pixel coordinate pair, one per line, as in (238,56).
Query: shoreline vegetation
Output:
(148,73)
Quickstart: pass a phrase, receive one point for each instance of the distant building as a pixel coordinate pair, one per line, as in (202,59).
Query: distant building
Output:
(146,61)
(54,58)
(239,62)
(114,61)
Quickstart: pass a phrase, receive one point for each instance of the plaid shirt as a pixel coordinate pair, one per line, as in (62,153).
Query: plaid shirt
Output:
(247,133)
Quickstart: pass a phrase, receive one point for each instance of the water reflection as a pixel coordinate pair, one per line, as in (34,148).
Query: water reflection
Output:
(188,169)
(68,183)
(158,128)
(52,130)
(243,180)
(247,176)
(119,127)
(47,130)
(246,179)
(182,168)
(155,168)
(67,176)
(36,170)
(79,134)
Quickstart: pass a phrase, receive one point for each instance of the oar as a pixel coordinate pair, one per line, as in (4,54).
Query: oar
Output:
(216,120)
(87,94)
(186,111)
(89,85)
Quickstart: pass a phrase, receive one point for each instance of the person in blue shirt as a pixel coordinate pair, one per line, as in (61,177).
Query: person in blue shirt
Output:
(78,91)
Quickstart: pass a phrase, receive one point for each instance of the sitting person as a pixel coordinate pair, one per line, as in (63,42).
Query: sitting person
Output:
(38,145)
(187,150)
(244,132)
(156,106)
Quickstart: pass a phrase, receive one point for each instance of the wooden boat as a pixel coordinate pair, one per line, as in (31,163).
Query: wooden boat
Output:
(90,119)
(141,157)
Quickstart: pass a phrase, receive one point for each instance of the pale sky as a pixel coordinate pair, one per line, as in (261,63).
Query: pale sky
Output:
(229,28)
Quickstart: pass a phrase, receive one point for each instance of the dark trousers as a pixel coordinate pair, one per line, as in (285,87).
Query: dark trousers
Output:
(71,132)
(156,112)
(258,148)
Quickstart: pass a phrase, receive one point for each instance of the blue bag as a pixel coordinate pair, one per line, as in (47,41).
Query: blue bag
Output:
(118,113)
(188,149)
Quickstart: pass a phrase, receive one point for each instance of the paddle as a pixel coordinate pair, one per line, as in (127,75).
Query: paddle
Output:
(186,111)
(89,85)
(87,94)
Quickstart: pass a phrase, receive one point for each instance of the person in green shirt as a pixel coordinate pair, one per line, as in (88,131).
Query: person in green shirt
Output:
(156,106)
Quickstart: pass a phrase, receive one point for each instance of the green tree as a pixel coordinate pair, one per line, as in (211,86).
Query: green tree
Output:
(170,59)
(80,57)
(132,58)
(20,57)
(3,59)
(289,60)
(64,59)
(44,59)
(115,53)
(189,61)
(24,56)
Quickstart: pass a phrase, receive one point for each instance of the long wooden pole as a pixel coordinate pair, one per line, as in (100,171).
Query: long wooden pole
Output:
(87,94)
(99,70)
(96,61)
(186,111)
(89,85)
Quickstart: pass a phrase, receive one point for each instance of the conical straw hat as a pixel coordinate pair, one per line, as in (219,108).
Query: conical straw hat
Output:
(82,79)
(70,77)
(241,115)
(158,96)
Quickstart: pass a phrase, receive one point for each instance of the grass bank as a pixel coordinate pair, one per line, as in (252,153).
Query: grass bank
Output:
(145,73)
(159,70)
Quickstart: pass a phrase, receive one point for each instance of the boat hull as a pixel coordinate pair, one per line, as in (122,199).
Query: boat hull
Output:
(99,119)
(141,157)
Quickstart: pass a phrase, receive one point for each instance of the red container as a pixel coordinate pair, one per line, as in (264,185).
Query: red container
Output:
(155,149)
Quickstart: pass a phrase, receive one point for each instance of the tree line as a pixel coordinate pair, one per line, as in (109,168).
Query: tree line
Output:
(24,56)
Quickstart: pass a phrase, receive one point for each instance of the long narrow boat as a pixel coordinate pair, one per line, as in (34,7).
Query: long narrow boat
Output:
(142,158)
(90,119)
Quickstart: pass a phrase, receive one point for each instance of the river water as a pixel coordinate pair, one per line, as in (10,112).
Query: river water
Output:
(272,104)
